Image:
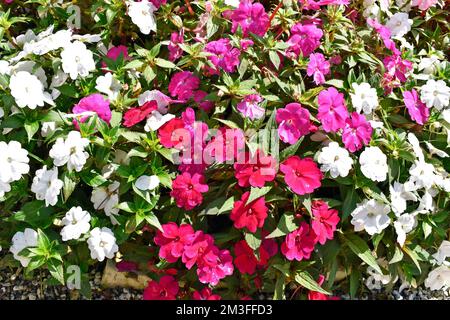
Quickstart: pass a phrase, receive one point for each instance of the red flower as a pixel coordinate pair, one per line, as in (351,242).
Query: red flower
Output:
(301,175)
(173,239)
(314,295)
(268,249)
(167,133)
(206,294)
(136,115)
(183,85)
(194,252)
(324,222)
(298,244)
(214,265)
(187,190)
(245,259)
(166,289)
(251,216)
(256,170)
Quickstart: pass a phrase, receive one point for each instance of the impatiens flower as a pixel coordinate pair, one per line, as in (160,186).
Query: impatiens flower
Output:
(76,223)
(399,24)
(22,240)
(304,39)
(385,35)
(102,244)
(166,289)
(225,145)
(357,132)
(332,110)
(108,85)
(115,52)
(443,252)
(187,190)
(250,216)
(70,151)
(223,55)
(107,199)
(399,195)
(77,60)
(250,108)
(435,94)
(371,216)
(294,122)
(183,84)
(194,251)
(314,295)
(423,4)
(28,91)
(301,175)
(439,278)
(299,244)
(397,68)
(142,15)
(324,221)
(245,260)
(215,265)
(365,98)
(147,182)
(251,17)
(135,115)
(13,161)
(205,294)
(318,67)
(373,164)
(175,52)
(93,103)
(256,170)
(173,239)
(47,186)
(417,110)
(335,160)
(4,187)
(404,224)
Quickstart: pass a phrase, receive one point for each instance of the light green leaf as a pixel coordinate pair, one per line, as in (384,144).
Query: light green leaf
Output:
(361,249)
(305,280)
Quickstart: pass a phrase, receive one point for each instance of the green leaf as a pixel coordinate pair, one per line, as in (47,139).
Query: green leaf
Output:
(164,63)
(305,280)
(398,256)
(31,129)
(275,59)
(35,214)
(152,219)
(92,178)
(219,206)
(280,287)
(350,201)
(256,193)
(285,225)
(414,257)
(291,150)
(361,249)
(56,269)
(355,278)
(253,239)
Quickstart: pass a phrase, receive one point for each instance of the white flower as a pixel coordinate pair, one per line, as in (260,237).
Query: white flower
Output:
(429,65)
(70,151)
(372,216)
(232,3)
(161,99)
(371,9)
(422,175)
(376,281)
(107,199)
(399,24)
(365,98)
(399,196)
(433,150)
(404,224)
(156,120)
(47,186)
(46,42)
(4,67)
(13,161)
(147,182)
(335,160)
(435,94)
(48,128)
(77,60)
(439,278)
(426,204)
(141,14)
(374,164)
(76,223)
(108,85)
(87,37)
(22,240)
(102,244)
(2,112)
(4,187)
(443,252)
(28,91)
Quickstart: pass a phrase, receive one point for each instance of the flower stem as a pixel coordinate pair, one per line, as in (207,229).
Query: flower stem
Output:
(274,13)
(188,4)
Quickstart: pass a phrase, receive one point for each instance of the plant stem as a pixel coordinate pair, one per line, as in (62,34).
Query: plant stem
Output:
(274,13)
(188,4)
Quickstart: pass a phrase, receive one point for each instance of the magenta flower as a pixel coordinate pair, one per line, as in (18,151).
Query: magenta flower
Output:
(175,52)
(173,239)
(385,35)
(299,244)
(114,54)
(158,3)
(318,67)
(332,110)
(397,66)
(215,265)
(417,110)
(183,84)
(95,103)
(304,40)
(251,17)
(199,98)
(423,4)
(303,176)
(357,132)
(250,108)
(294,122)
(187,190)
(194,251)
(224,56)
(316,4)
(324,222)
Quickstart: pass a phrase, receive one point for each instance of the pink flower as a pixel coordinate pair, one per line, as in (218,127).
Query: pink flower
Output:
(206,294)
(175,52)
(250,108)
(246,43)
(215,265)
(226,144)
(158,3)
(294,122)
(251,17)
(299,244)
(187,190)
(115,52)
(199,98)
(301,175)
(318,67)
(385,35)
(398,67)
(256,170)
(224,56)
(166,289)
(183,84)
(245,260)
(316,4)
(324,221)
(332,110)
(304,39)
(135,115)
(167,133)
(314,295)
(417,110)
(93,103)
(193,253)
(173,239)
(250,216)
(423,4)
(357,132)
